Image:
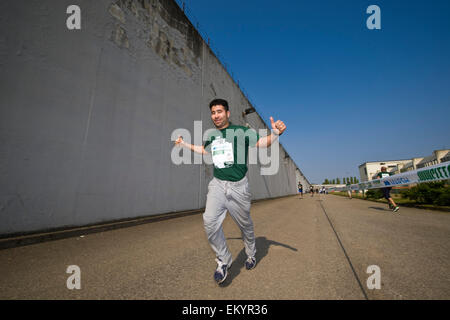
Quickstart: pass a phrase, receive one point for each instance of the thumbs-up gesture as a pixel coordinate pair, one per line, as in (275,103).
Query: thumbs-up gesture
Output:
(278,126)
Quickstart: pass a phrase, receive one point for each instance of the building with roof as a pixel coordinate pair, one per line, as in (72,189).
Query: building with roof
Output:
(438,156)
(368,170)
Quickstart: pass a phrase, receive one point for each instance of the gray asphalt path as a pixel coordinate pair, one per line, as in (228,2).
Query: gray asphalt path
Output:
(312,248)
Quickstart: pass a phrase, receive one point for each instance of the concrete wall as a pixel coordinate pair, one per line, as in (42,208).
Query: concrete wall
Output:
(86,115)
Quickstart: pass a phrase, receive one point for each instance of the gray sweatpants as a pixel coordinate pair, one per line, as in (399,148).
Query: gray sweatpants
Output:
(235,198)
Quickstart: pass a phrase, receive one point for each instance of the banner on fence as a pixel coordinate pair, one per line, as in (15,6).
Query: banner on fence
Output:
(433,173)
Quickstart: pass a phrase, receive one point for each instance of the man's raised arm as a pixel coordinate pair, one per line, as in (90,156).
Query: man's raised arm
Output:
(198,149)
(278,128)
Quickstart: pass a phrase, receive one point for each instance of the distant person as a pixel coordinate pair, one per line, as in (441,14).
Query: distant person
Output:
(311,190)
(387,191)
(300,189)
(349,191)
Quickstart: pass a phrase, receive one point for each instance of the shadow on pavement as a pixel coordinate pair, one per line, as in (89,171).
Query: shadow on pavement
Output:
(379,208)
(262,249)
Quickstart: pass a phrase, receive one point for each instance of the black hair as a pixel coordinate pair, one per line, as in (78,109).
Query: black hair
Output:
(219,102)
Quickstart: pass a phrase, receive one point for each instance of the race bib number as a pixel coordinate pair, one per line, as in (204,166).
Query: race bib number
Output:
(384,175)
(222,153)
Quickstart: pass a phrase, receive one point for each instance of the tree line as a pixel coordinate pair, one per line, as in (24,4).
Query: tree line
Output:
(348,180)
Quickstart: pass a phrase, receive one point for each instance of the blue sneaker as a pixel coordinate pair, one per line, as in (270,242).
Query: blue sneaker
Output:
(250,263)
(221,272)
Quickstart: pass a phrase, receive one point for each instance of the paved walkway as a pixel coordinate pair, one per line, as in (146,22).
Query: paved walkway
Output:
(312,248)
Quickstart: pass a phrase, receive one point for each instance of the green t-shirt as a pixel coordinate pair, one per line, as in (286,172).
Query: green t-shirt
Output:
(229,150)
(382,175)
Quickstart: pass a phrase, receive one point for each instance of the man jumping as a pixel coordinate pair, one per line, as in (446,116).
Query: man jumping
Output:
(229,190)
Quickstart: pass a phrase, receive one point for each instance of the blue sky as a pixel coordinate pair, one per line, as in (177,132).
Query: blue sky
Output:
(346,93)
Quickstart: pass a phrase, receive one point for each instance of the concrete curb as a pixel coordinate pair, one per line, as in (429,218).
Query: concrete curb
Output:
(18,240)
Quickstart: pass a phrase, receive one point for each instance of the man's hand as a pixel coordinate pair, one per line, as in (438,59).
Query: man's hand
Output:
(179,142)
(278,127)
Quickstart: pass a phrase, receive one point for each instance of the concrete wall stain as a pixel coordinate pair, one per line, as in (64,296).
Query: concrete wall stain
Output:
(158,20)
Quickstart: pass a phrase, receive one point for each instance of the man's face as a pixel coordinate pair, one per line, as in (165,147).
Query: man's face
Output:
(220,116)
